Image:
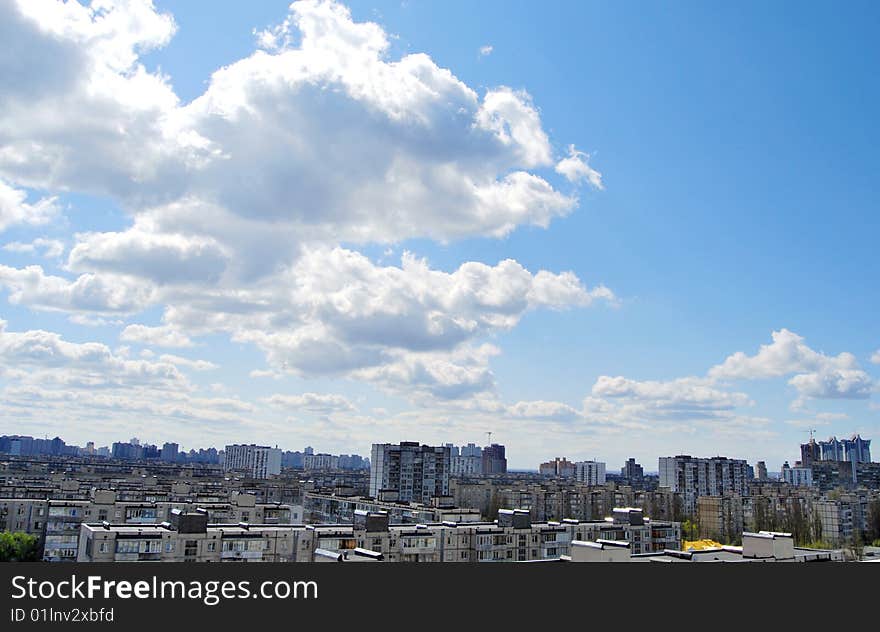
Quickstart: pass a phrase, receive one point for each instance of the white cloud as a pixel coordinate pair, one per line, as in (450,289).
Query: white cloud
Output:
(543,410)
(79,109)
(198,365)
(240,198)
(31,287)
(375,149)
(163,258)
(576,168)
(875,358)
(49,248)
(818,375)
(680,395)
(486,50)
(319,403)
(162,336)
(786,354)
(427,377)
(834,384)
(14,208)
(49,359)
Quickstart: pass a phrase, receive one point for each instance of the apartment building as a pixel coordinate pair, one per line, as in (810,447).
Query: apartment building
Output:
(561,467)
(258,461)
(188,536)
(408,472)
(797,476)
(694,477)
(332,508)
(590,472)
(57,522)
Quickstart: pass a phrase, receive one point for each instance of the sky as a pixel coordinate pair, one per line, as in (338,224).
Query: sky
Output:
(595,230)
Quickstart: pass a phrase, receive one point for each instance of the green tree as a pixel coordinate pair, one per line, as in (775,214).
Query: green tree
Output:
(18,547)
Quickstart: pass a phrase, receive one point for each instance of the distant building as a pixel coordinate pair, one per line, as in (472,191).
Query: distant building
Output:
(408,472)
(557,467)
(169,452)
(471,449)
(693,477)
(465,461)
(466,465)
(590,472)
(632,471)
(761,471)
(320,462)
(797,476)
(257,460)
(494,461)
(852,450)
(127,451)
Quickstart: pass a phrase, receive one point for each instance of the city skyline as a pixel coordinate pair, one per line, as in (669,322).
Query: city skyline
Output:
(339,225)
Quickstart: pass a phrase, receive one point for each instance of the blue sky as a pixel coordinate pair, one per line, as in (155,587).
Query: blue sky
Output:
(721,298)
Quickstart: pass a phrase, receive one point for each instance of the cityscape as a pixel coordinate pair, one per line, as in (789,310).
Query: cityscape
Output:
(410,502)
(411,281)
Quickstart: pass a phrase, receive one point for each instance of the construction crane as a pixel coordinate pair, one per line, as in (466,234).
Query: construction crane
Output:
(489,438)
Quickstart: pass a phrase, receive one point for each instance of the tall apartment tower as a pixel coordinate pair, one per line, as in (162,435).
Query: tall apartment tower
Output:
(632,471)
(169,452)
(761,471)
(259,461)
(494,461)
(694,477)
(409,472)
(590,472)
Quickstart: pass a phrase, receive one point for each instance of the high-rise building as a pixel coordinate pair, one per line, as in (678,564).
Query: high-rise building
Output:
(259,461)
(590,472)
(494,461)
(409,472)
(853,450)
(169,452)
(632,471)
(810,452)
(471,449)
(797,476)
(694,477)
(468,460)
(761,471)
(557,467)
(127,451)
(320,462)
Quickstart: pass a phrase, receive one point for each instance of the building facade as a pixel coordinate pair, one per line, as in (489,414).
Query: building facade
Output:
(693,477)
(258,461)
(408,472)
(590,472)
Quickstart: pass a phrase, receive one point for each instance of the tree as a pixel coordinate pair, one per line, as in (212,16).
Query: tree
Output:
(874,520)
(19,547)
(856,546)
